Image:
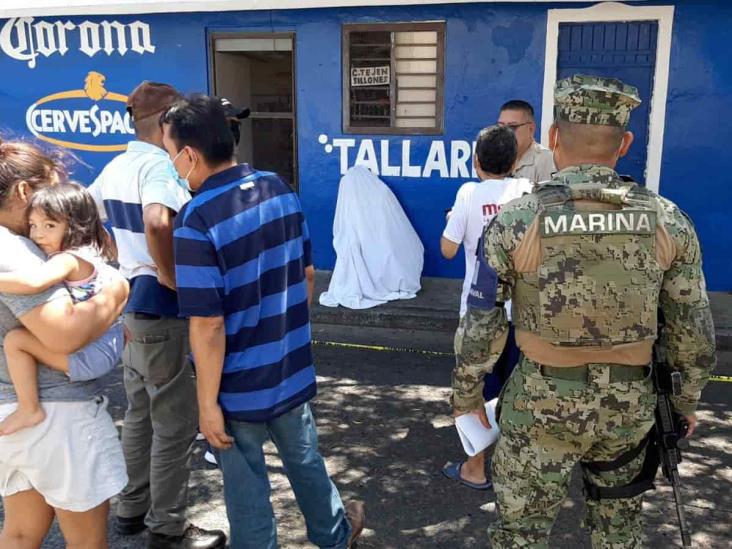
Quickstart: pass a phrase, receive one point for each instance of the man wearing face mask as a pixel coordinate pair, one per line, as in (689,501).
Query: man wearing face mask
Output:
(245,279)
(589,259)
(140,193)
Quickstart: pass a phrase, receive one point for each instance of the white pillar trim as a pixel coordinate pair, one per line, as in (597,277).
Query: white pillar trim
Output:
(613,11)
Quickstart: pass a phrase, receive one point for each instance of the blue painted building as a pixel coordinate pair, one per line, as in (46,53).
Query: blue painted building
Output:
(401,87)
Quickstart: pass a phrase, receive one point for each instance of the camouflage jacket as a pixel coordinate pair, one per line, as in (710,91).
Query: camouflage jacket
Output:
(688,337)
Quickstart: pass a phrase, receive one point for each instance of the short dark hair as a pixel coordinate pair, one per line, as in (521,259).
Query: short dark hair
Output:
(71,203)
(199,121)
(496,150)
(518,105)
(591,140)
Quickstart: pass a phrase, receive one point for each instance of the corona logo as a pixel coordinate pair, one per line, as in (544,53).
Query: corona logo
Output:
(25,39)
(89,119)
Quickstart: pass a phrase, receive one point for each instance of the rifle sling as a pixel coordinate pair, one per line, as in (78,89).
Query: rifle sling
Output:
(642,482)
(597,467)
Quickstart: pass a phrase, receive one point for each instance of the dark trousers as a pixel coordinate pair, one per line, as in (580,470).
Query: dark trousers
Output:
(494,382)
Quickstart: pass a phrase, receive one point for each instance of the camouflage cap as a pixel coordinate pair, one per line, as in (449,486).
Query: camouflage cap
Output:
(594,100)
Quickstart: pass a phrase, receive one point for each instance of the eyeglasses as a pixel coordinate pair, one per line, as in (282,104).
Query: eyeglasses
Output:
(512,127)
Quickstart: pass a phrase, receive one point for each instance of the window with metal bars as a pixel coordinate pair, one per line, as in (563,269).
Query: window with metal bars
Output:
(393,76)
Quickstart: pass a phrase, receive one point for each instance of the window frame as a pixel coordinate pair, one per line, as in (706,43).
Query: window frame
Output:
(440,27)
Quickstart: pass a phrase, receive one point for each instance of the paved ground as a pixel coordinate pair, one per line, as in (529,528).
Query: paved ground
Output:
(386,431)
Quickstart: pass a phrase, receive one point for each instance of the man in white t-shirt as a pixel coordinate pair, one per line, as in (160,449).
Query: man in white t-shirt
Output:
(476,204)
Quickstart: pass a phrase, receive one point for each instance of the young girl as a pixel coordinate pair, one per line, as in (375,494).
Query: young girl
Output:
(63,221)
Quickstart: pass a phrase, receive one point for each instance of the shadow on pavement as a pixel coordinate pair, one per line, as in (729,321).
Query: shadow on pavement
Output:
(386,431)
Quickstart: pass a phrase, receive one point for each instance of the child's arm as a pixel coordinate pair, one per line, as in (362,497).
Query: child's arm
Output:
(32,281)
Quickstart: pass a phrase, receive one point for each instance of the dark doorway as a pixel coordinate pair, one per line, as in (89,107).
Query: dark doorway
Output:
(256,71)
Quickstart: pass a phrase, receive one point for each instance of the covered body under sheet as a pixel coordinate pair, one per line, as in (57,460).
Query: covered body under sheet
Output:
(379,255)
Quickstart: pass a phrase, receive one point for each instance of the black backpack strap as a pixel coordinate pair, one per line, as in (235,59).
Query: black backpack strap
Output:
(551,194)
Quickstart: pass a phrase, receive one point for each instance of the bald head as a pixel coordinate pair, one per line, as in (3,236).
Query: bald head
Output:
(575,144)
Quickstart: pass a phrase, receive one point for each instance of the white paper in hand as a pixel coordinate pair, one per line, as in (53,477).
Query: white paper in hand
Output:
(474,436)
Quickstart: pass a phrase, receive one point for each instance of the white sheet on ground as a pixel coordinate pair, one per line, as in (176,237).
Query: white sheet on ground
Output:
(379,255)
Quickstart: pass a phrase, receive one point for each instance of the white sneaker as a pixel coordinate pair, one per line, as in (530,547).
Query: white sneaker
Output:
(210,458)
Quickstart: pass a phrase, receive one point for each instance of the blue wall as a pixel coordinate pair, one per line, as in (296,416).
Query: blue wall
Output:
(695,171)
(493,52)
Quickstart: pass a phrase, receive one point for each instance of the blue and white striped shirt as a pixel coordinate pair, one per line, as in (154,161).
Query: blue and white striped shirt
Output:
(241,248)
(140,176)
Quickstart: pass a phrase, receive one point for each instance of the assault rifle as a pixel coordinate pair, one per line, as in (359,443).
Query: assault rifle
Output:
(669,432)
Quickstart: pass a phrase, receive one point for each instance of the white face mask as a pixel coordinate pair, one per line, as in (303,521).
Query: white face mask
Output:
(183,181)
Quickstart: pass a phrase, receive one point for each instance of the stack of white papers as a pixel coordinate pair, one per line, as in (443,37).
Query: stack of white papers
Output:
(474,436)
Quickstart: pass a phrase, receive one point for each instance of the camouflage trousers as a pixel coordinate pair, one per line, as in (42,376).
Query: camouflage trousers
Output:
(548,425)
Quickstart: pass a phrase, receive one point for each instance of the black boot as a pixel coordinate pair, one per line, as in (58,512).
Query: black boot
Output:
(192,538)
(129,526)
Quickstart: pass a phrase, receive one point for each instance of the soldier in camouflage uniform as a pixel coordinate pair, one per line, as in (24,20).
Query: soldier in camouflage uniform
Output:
(588,258)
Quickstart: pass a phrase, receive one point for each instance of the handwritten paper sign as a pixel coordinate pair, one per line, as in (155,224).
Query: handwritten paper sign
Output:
(370,76)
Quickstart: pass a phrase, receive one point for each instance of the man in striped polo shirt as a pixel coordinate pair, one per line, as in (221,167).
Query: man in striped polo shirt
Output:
(244,272)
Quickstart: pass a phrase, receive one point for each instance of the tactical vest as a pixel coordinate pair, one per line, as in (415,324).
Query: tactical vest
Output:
(599,281)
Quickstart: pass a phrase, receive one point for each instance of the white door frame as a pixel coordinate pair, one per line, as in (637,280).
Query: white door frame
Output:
(613,11)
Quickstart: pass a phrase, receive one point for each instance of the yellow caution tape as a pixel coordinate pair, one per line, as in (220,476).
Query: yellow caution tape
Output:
(382,348)
(724,379)
(379,348)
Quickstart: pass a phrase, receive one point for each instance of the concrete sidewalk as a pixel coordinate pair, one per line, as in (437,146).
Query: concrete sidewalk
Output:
(435,309)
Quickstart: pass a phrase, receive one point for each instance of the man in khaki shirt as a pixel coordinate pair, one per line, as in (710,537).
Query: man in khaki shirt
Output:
(534,160)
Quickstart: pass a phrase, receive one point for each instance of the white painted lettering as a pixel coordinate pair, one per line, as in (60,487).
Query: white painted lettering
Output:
(644,222)
(118,124)
(72,120)
(366,156)
(114,32)
(23,48)
(140,34)
(130,128)
(596,222)
(84,122)
(342,144)
(61,28)
(24,39)
(386,169)
(33,117)
(105,120)
(58,121)
(626,220)
(89,34)
(578,224)
(436,160)
(555,226)
(97,129)
(407,169)
(46,120)
(459,158)
(45,38)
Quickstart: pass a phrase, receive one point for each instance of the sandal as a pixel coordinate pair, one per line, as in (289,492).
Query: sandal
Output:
(452,471)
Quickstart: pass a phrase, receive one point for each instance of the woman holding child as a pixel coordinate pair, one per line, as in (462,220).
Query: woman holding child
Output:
(59,308)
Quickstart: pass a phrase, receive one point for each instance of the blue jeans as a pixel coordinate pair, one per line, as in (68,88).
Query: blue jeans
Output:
(494,382)
(247,488)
